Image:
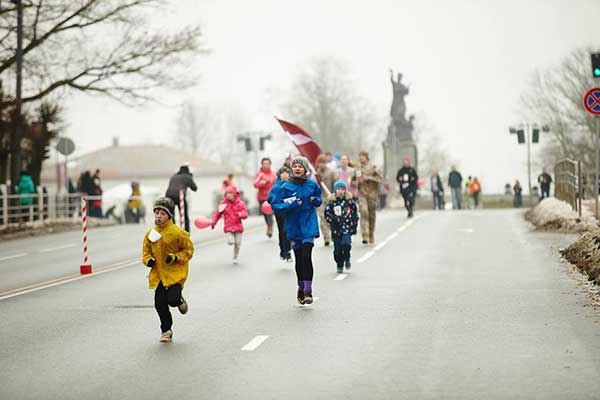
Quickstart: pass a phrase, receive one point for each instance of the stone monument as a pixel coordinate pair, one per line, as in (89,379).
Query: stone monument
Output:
(399,142)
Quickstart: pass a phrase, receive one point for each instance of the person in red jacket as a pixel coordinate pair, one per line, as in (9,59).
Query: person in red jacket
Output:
(233,210)
(264,181)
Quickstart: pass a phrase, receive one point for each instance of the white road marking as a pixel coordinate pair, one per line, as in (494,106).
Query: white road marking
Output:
(61,281)
(365,257)
(340,277)
(254,343)
(13,256)
(466,230)
(67,246)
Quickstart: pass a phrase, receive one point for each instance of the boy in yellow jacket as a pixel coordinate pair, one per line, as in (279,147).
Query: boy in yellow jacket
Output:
(167,249)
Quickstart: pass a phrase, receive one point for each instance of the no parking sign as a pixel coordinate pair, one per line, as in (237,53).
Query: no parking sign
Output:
(591,101)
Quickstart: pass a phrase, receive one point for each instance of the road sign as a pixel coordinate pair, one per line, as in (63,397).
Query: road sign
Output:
(65,146)
(591,101)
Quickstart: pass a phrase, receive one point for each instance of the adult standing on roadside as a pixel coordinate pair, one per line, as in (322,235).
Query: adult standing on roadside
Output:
(545,180)
(325,176)
(182,180)
(368,178)
(455,182)
(407,178)
(264,181)
(437,191)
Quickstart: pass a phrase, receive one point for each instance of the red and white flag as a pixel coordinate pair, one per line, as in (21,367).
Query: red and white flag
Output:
(302,140)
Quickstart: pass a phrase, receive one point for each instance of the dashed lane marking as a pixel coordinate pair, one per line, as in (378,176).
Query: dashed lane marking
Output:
(254,343)
(66,246)
(340,277)
(13,256)
(365,257)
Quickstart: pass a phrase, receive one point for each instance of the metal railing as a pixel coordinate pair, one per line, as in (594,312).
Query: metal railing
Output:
(568,183)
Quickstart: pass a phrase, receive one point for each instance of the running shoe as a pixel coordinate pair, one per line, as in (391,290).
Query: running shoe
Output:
(183,307)
(308,299)
(300,296)
(166,337)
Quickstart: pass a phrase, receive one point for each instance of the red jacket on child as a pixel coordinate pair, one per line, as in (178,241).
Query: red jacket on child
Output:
(233,212)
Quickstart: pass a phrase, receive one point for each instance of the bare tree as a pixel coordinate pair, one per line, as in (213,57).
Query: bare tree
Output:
(433,156)
(325,101)
(554,97)
(107,47)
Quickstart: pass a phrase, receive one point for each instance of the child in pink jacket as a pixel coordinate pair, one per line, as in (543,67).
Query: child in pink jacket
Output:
(233,210)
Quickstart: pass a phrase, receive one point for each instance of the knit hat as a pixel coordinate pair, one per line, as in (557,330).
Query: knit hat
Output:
(282,170)
(302,160)
(339,184)
(165,204)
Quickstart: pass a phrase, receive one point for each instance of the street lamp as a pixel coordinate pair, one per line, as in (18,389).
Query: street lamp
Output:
(528,133)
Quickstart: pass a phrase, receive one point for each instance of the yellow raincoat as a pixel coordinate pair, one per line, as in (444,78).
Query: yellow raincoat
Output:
(173,240)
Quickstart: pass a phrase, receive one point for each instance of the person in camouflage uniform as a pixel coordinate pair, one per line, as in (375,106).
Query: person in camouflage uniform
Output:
(327,177)
(368,178)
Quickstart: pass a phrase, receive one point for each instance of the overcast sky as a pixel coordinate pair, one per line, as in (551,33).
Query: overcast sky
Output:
(467,62)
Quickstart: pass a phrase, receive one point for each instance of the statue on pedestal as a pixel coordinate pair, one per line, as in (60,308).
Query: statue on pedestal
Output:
(399,126)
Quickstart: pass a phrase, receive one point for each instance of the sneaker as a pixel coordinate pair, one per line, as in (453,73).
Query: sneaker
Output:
(348,265)
(300,296)
(166,337)
(288,258)
(308,299)
(235,261)
(327,243)
(183,307)
(340,270)
(364,241)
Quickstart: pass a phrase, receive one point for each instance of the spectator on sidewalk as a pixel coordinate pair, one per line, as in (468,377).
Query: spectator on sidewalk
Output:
(475,191)
(518,197)
(455,182)
(181,181)
(545,180)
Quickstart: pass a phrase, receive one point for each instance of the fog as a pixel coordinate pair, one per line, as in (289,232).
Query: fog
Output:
(467,63)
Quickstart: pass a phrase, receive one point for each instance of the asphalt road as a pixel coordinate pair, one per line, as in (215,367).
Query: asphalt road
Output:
(453,305)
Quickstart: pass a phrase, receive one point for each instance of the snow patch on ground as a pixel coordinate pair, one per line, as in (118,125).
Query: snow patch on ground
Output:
(554,214)
(585,254)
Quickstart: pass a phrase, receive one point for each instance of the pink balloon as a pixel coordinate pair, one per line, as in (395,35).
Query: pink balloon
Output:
(202,222)
(421,182)
(266,208)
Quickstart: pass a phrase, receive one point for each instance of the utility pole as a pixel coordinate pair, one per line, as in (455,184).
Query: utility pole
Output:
(524,135)
(15,155)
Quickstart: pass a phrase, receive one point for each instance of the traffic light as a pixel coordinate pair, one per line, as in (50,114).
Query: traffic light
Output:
(521,136)
(247,142)
(535,135)
(596,65)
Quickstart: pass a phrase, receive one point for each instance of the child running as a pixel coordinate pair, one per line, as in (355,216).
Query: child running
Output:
(233,209)
(284,244)
(167,249)
(298,198)
(342,214)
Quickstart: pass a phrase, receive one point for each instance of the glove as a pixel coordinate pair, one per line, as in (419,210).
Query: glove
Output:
(171,258)
(151,263)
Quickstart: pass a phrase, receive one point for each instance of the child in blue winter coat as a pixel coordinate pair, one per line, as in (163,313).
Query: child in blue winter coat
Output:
(284,244)
(298,198)
(342,214)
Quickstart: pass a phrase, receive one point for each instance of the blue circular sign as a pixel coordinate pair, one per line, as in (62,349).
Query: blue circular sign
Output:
(591,101)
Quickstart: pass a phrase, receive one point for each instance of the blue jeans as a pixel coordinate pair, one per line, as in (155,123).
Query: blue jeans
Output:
(341,249)
(456,198)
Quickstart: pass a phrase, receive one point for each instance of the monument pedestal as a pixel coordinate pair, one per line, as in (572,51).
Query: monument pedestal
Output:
(394,152)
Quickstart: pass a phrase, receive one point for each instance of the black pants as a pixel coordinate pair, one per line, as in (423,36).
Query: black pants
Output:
(163,298)
(304,265)
(284,243)
(545,191)
(341,249)
(409,200)
(185,213)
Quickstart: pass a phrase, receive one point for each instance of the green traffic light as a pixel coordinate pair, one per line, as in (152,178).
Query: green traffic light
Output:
(597,72)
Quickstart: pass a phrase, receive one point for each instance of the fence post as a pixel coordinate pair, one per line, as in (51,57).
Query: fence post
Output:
(40,204)
(5,205)
(579,187)
(86,267)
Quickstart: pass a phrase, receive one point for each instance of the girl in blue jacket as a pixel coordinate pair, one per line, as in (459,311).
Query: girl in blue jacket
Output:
(298,198)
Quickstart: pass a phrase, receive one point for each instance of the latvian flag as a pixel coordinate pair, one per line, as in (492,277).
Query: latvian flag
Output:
(302,140)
